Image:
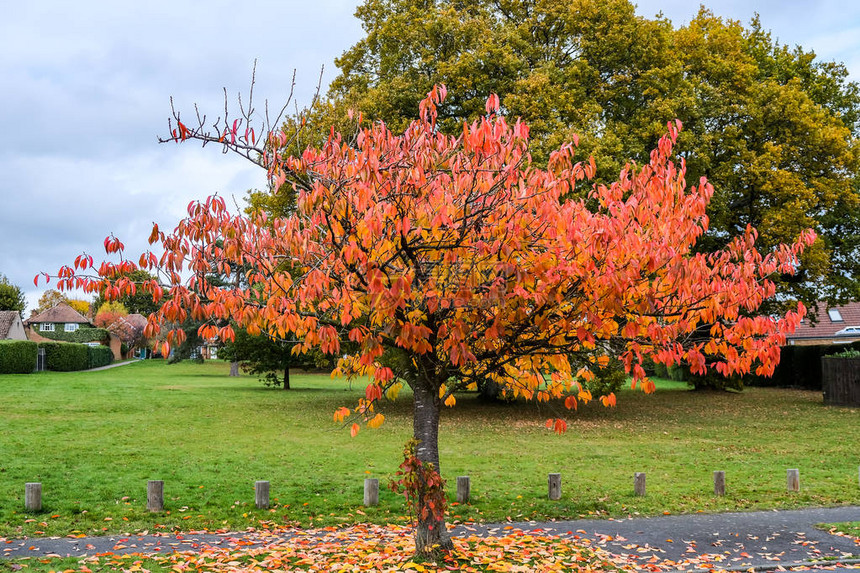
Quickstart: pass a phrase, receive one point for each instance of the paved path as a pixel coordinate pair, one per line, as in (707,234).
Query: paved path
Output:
(761,539)
(726,541)
(109,366)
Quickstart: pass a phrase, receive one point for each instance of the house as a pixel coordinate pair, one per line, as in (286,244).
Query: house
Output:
(63,318)
(835,325)
(59,318)
(11,326)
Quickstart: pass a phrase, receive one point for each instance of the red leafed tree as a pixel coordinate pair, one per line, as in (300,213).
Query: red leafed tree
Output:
(448,260)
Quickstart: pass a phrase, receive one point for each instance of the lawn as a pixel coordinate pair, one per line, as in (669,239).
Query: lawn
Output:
(94,439)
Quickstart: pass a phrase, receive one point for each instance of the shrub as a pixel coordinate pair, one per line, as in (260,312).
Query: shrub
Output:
(607,380)
(98,356)
(851,353)
(677,372)
(18,356)
(65,356)
(660,370)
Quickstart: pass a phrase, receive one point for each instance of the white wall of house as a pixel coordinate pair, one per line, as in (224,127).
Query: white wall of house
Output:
(16,330)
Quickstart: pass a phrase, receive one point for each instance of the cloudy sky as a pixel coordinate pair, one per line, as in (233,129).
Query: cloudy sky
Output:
(86,88)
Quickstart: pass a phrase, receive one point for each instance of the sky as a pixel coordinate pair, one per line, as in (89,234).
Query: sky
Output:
(87,87)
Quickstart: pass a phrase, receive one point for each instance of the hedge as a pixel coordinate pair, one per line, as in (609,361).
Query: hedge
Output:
(81,335)
(18,356)
(800,366)
(98,356)
(65,356)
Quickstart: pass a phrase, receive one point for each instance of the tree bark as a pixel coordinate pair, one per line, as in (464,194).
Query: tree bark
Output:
(431,535)
(234,369)
(287,378)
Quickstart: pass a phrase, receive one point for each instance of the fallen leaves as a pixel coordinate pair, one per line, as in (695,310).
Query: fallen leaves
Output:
(370,548)
(366,547)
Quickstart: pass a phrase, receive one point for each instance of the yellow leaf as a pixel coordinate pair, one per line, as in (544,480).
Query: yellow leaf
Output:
(450,401)
(442,390)
(376,421)
(393,391)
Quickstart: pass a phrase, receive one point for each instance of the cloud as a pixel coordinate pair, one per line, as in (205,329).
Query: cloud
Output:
(58,207)
(86,94)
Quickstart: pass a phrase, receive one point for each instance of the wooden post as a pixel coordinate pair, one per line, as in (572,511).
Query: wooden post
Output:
(261,494)
(639,483)
(793,480)
(33,496)
(463,489)
(554,486)
(720,483)
(155,495)
(371,492)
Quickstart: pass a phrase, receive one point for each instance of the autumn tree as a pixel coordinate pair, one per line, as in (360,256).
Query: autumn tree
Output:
(80,305)
(49,299)
(11,296)
(773,128)
(448,260)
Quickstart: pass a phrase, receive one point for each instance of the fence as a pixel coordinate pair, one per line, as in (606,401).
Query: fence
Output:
(155,490)
(840,378)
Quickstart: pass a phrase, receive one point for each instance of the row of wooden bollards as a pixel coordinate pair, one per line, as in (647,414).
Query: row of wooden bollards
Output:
(154,495)
(155,490)
(793,483)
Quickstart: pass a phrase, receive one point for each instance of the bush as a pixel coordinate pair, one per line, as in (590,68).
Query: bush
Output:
(98,356)
(660,370)
(65,356)
(851,353)
(607,380)
(677,372)
(18,356)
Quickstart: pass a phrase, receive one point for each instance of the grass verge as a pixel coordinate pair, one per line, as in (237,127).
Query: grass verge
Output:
(93,439)
(850,528)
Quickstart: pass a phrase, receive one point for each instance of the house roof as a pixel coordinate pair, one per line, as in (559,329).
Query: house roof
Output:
(136,320)
(60,312)
(828,324)
(7,318)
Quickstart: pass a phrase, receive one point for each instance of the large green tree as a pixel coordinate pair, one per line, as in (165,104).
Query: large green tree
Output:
(774,129)
(11,296)
(270,358)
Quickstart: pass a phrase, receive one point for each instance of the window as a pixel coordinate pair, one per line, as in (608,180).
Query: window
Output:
(834,315)
(47,327)
(71,326)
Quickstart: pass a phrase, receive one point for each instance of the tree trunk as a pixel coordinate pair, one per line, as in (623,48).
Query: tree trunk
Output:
(287,378)
(431,535)
(234,369)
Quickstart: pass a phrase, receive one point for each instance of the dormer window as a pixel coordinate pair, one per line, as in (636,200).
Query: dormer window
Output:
(834,315)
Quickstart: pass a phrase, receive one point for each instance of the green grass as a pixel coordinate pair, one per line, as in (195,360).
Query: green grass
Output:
(847,527)
(94,439)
